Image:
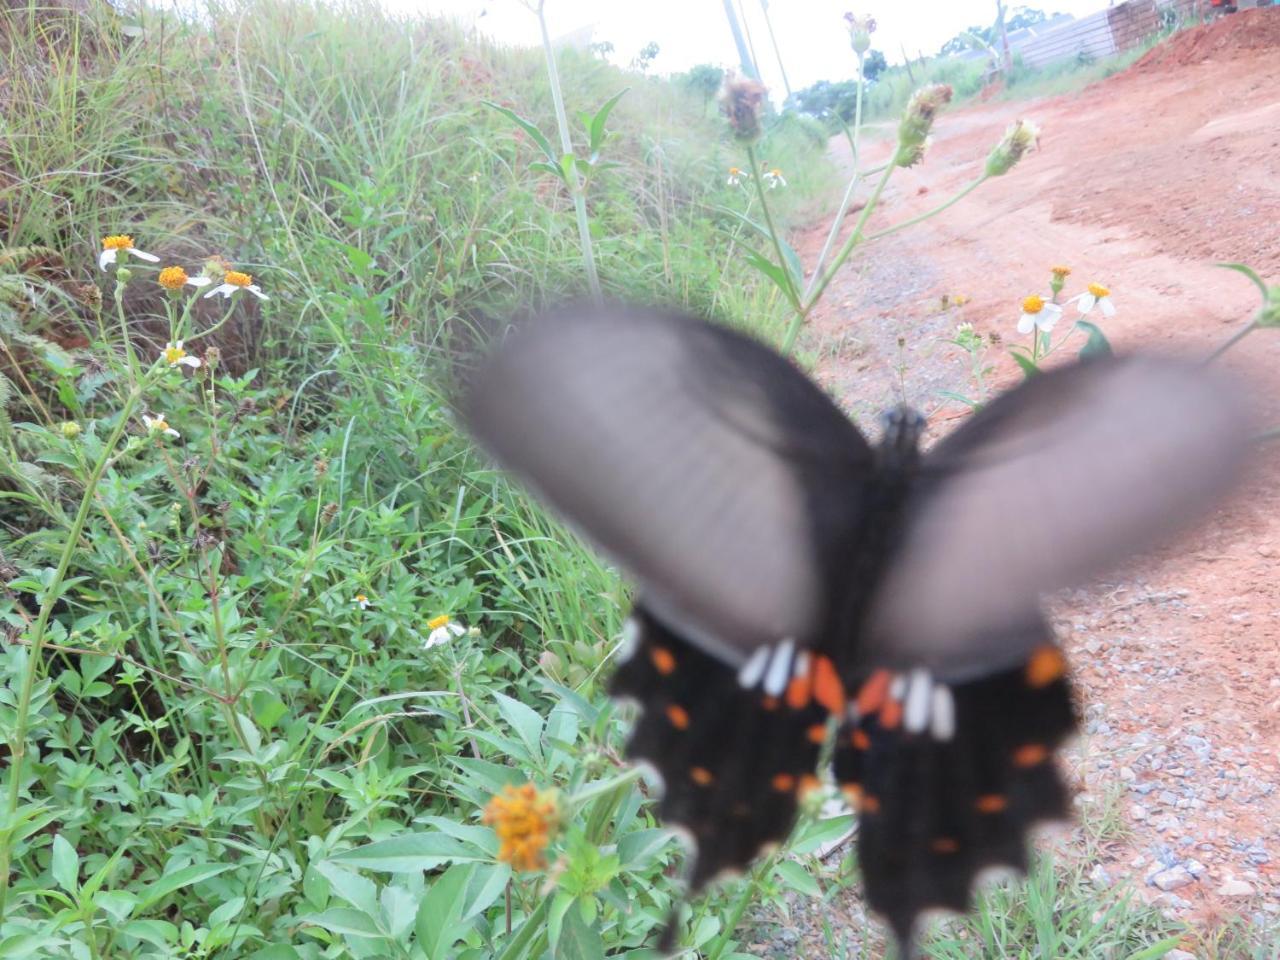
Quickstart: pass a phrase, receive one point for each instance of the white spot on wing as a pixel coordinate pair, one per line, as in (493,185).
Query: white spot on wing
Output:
(630,641)
(775,680)
(943,719)
(915,711)
(898,687)
(753,669)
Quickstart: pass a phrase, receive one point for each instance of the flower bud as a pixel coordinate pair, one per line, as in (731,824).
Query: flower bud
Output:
(860,31)
(123,276)
(917,121)
(70,429)
(1021,136)
(741,101)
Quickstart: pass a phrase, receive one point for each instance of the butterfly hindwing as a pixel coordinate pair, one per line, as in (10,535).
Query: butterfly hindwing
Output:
(733,760)
(708,467)
(948,778)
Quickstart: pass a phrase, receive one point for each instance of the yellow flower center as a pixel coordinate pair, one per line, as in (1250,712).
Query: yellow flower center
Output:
(1060,272)
(1099,291)
(172,278)
(1033,304)
(173,355)
(735,172)
(117,241)
(158,424)
(361,598)
(238,279)
(435,623)
(776,172)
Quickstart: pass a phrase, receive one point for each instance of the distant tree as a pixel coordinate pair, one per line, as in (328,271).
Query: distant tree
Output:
(1015,19)
(704,80)
(645,56)
(825,99)
(874,64)
(601,49)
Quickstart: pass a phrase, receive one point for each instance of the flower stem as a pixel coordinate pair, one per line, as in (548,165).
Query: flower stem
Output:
(793,295)
(22,712)
(848,193)
(929,213)
(566,144)
(1233,340)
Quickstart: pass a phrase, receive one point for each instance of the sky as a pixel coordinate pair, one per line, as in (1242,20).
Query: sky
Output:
(810,33)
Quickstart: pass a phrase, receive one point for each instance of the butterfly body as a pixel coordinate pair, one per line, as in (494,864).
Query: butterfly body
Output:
(792,577)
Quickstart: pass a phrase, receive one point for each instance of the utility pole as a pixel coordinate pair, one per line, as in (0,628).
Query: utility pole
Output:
(1004,39)
(744,56)
(764,7)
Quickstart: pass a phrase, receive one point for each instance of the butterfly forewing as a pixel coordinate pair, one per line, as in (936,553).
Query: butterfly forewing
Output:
(711,470)
(1049,484)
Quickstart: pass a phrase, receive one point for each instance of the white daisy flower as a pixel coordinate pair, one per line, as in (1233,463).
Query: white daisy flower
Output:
(158,424)
(175,355)
(1038,314)
(735,176)
(233,282)
(774,178)
(361,601)
(1097,296)
(443,629)
(117,242)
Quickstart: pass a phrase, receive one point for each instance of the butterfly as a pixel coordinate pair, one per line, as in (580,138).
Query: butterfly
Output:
(791,576)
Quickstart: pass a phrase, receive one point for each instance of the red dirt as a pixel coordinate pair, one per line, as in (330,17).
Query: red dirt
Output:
(1142,182)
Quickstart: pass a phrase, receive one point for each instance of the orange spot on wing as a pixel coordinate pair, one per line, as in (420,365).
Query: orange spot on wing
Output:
(828,689)
(944,845)
(663,659)
(701,776)
(991,803)
(783,783)
(798,691)
(1030,755)
(1046,665)
(817,733)
(678,716)
(869,804)
(769,703)
(873,692)
(808,783)
(891,714)
(853,793)
(860,740)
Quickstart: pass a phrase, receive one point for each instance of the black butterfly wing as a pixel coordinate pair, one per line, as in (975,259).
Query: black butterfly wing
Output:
(949,777)
(1050,483)
(709,468)
(733,762)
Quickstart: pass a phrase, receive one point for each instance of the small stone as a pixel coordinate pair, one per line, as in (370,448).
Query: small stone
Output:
(1236,888)
(1138,812)
(1196,868)
(1176,954)
(1127,774)
(1174,878)
(1099,877)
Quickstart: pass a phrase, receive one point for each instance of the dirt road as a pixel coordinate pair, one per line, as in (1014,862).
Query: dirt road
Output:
(1142,182)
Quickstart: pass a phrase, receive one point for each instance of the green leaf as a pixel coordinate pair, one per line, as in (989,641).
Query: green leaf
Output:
(1029,368)
(577,940)
(532,926)
(1097,344)
(277,951)
(526,722)
(534,133)
(345,921)
(775,273)
(551,168)
(167,884)
(64,864)
(797,878)
(596,131)
(1157,950)
(438,923)
(1248,272)
(820,832)
(641,847)
(794,266)
(411,853)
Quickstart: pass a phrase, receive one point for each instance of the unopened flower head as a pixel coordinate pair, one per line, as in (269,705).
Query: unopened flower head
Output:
(233,281)
(860,31)
(524,818)
(1096,295)
(117,248)
(741,101)
(1021,136)
(1038,314)
(1060,275)
(917,122)
(70,429)
(174,279)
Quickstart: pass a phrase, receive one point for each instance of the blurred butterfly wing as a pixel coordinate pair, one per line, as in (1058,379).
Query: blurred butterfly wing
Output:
(1056,479)
(717,475)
